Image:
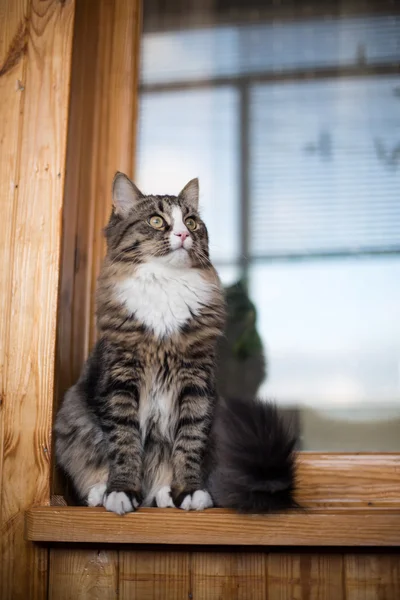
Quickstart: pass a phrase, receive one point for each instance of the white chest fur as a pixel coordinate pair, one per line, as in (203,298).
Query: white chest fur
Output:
(164,297)
(157,405)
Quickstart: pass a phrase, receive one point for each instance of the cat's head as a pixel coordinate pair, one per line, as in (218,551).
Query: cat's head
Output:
(167,227)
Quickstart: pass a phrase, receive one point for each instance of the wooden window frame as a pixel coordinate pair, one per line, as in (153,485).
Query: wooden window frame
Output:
(64,132)
(347,499)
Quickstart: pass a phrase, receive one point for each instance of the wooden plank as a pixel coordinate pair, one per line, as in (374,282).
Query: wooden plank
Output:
(154,575)
(361,479)
(315,527)
(228,575)
(13,41)
(372,577)
(101,140)
(305,576)
(83,574)
(34,183)
(364,479)
(115,122)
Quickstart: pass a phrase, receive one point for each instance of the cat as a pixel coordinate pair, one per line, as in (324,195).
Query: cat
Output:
(143,425)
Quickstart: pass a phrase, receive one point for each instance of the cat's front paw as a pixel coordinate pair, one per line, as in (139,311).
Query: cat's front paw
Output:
(193,500)
(121,502)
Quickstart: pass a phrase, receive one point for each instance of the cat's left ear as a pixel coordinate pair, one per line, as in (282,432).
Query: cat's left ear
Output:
(190,193)
(125,194)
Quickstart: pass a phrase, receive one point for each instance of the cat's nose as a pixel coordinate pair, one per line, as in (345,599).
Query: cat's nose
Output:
(182,234)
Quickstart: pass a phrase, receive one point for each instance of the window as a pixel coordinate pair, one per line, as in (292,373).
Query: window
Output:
(292,123)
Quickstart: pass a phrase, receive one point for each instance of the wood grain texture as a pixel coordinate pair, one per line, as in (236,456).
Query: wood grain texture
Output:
(101,140)
(115,121)
(154,575)
(236,574)
(83,574)
(228,576)
(13,41)
(316,527)
(36,76)
(363,479)
(372,577)
(305,576)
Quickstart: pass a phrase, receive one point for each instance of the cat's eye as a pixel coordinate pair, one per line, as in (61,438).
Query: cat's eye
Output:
(191,224)
(157,222)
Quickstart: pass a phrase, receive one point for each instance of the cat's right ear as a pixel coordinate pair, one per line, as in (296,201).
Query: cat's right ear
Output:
(125,194)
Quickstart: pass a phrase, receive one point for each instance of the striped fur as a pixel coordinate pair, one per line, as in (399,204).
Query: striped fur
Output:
(135,428)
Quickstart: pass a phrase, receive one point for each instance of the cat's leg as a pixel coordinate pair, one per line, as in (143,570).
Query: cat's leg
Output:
(196,405)
(157,472)
(81,448)
(120,421)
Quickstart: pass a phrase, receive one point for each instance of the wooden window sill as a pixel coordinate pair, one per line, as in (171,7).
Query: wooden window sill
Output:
(333,526)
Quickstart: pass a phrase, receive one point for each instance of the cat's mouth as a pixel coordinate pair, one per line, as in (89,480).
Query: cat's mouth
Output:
(181,253)
(179,257)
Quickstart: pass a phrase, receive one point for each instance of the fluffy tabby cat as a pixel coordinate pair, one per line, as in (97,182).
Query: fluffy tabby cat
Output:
(143,424)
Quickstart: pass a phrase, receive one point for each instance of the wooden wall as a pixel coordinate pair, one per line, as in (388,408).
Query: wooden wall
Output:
(43,226)
(223,575)
(101,140)
(35,57)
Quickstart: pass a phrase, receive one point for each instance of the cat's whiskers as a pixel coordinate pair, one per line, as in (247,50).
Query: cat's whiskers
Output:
(121,253)
(203,258)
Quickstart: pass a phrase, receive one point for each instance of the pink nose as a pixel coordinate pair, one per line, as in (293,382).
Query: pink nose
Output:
(183,235)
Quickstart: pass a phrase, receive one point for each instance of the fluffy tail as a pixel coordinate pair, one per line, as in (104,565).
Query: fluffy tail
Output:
(254,467)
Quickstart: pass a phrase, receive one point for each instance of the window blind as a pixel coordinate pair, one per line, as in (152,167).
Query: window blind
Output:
(325,166)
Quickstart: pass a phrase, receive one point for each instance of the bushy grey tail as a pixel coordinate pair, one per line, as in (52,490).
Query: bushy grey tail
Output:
(254,468)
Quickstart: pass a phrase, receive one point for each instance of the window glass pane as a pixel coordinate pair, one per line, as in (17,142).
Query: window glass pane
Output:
(290,115)
(331,331)
(194,134)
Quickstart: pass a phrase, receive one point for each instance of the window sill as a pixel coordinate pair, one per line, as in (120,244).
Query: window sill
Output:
(333,526)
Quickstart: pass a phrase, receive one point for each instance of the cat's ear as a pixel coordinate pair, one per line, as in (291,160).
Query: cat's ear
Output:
(125,194)
(190,193)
